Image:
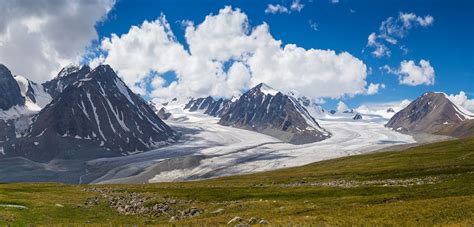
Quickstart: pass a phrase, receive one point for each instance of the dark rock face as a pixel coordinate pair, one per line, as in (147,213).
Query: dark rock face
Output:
(357,117)
(97,112)
(429,113)
(265,110)
(163,114)
(65,77)
(215,108)
(390,110)
(9,90)
(7,130)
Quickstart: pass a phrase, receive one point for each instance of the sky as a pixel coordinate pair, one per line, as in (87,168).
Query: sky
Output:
(358,52)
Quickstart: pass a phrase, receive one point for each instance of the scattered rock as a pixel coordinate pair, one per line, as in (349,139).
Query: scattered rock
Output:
(253,220)
(263,222)
(192,212)
(234,220)
(242,225)
(132,203)
(13,206)
(90,202)
(59,205)
(218,211)
(173,219)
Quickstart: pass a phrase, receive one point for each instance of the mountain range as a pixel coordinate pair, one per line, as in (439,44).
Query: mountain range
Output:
(85,113)
(91,114)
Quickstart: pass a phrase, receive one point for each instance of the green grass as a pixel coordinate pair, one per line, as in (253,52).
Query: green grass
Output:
(444,195)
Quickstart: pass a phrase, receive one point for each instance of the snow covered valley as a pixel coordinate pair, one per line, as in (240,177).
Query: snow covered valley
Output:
(208,150)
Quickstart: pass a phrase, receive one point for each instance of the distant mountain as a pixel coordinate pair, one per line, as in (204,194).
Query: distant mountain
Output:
(313,108)
(265,110)
(433,113)
(209,106)
(36,97)
(25,98)
(65,77)
(9,90)
(98,112)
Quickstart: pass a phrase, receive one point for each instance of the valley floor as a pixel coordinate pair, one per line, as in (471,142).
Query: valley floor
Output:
(210,150)
(426,185)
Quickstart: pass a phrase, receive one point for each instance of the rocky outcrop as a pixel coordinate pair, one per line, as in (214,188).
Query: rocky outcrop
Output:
(357,117)
(65,77)
(9,90)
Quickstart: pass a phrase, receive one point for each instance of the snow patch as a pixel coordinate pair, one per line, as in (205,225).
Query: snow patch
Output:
(123,89)
(267,90)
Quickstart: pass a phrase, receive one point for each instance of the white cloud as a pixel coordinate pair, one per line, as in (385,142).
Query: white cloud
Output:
(341,107)
(296,6)
(380,49)
(393,29)
(410,73)
(462,100)
(222,40)
(313,25)
(38,37)
(374,88)
(274,9)
(381,108)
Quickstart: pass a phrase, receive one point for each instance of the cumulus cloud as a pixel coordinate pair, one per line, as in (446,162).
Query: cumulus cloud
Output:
(374,88)
(341,107)
(409,73)
(382,108)
(225,56)
(392,30)
(462,100)
(296,6)
(412,74)
(38,37)
(274,9)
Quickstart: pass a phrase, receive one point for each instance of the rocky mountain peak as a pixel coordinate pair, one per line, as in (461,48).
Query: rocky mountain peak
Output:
(9,90)
(99,112)
(266,110)
(432,112)
(65,77)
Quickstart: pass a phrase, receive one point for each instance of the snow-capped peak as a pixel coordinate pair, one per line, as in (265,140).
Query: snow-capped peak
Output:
(267,90)
(461,110)
(71,68)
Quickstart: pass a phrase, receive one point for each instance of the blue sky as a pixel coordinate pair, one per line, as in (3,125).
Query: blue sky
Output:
(158,55)
(447,44)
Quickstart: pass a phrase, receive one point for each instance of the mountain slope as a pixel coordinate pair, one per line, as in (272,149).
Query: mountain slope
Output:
(268,111)
(9,90)
(433,113)
(209,106)
(313,108)
(98,112)
(65,77)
